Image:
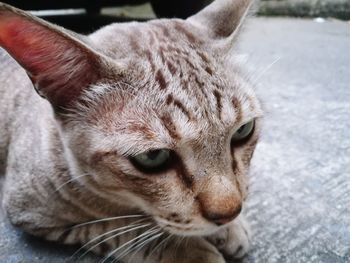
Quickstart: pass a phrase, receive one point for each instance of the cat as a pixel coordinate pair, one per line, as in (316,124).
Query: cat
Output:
(134,141)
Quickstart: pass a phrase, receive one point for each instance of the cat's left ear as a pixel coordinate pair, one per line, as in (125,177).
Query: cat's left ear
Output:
(59,64)
(222,19)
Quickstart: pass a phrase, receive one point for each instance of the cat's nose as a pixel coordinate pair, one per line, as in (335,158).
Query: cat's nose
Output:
(222,218)
(220,201)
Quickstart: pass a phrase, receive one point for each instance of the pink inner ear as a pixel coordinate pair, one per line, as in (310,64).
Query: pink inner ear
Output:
(24,42)
(59,65)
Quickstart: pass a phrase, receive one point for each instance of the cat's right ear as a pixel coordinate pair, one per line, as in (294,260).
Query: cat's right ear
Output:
(222,20)
(59,64)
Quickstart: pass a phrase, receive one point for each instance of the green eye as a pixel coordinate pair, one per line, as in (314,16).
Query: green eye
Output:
(152,160)
(243,132)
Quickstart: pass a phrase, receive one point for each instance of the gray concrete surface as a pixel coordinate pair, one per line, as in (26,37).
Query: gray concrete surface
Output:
(299,205)
(300,178)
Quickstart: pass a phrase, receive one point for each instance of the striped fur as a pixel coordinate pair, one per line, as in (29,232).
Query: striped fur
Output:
(167,83)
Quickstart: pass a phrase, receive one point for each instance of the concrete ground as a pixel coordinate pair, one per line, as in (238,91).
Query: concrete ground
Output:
(300,192)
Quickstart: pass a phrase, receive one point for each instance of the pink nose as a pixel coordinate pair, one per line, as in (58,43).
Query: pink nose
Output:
(222,219)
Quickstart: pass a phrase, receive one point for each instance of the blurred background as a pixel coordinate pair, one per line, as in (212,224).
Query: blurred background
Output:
(297,52)
(88,15)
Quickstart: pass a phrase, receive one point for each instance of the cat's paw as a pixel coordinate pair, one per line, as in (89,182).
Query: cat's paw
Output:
(234,240)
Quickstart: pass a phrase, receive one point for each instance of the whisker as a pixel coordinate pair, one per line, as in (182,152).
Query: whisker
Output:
(265,70)
(106,219)
(136,223)
(111,237)
(70,180)
(125,244)
(186,241)
(150,240)
(140,239)
(177,245)
(141,243)
(159,245)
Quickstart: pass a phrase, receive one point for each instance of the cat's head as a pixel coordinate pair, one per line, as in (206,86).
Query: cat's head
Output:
(158,113)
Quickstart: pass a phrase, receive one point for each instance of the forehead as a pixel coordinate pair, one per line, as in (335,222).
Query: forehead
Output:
(177,78)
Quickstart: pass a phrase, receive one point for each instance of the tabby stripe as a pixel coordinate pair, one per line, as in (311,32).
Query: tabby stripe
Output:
(201,86)
(217,84)
(238,109)
(183,109)
(209,70)
(183,174)
(161,80)
(161,53)
(66,202)
(203,57)
(204,94)
(63,237)
(164,29)
(179,105)
(104,248)
(169,99)
(150,60)
(99,156)
(189,35)
(152,39)
(134,43)
(173,49)
(170,126)
(190,63)
(171,67)
(217,96)
(184,84)
(86,233)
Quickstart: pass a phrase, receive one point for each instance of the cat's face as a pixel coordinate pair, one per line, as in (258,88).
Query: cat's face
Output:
(168,136)
(171,125)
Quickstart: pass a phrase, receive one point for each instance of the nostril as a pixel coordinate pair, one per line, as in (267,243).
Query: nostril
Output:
(221,218)
(222,221)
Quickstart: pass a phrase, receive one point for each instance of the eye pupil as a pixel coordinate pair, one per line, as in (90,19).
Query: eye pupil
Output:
(152,155)
(241,129)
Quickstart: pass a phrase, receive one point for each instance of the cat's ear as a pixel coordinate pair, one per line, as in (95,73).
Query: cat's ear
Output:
(58,63)
(222,19)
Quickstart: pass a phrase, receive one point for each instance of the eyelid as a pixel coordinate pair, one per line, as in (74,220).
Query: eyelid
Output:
(136,147)
(134,153)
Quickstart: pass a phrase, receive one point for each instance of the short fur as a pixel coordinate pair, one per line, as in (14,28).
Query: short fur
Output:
(118,92)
